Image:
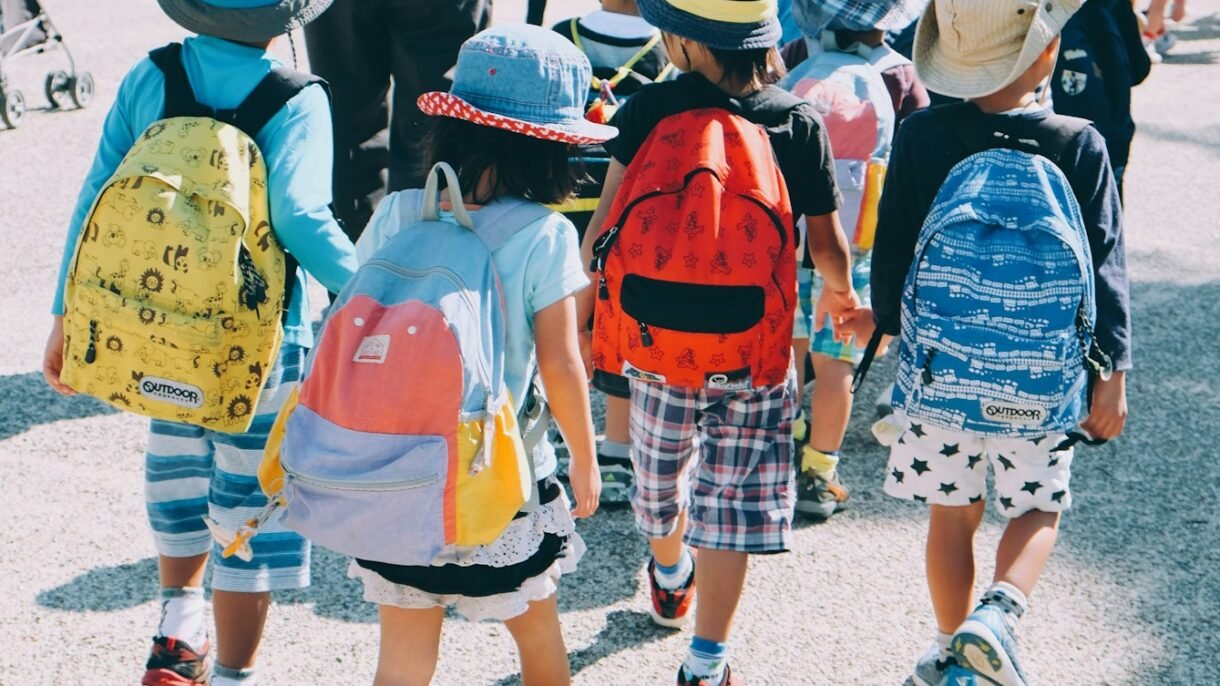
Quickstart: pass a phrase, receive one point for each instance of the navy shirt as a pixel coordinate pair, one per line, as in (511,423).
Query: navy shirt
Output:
(924,153)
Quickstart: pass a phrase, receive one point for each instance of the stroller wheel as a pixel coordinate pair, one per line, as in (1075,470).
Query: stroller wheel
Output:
(81,88)
(56,83)
(12,108)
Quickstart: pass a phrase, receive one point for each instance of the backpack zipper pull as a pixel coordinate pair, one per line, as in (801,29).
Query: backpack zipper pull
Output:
(645,335)
(91,352)
(927,368)
(603,291)
(483,460)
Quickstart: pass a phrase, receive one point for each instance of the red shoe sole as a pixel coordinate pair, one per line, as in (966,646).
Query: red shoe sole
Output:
(166,677)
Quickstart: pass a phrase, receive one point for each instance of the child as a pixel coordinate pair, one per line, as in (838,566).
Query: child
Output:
(508,126)
(853,29)
(741,493)
(1101,59)
(945,467)
(192,472)
(626,53)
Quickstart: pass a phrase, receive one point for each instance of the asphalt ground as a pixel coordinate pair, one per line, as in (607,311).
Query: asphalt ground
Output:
(1130,596)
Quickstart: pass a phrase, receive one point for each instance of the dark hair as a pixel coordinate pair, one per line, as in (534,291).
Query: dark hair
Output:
(532,168)
(742,67)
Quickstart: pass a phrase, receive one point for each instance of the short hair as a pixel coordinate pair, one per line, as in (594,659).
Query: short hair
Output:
(532,168)
(762,65)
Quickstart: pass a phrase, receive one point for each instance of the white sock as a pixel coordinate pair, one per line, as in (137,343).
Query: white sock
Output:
(706,659)
(942,641)
(227,676)
(670,578)
(614,449)
(182,615)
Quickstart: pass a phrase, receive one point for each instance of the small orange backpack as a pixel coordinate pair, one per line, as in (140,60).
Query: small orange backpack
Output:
(696,266)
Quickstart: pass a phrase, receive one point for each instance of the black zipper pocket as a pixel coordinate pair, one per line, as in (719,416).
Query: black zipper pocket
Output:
(692,308)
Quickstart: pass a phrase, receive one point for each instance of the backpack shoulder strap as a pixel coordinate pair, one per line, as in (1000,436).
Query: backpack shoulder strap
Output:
(270,95)
(502,220)
(180,98)
(967,123)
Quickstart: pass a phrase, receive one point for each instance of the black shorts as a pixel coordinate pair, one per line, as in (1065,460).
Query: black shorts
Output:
(612,384)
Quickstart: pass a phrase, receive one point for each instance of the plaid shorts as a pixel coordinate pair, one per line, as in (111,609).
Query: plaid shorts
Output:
(809,289)
(739,491)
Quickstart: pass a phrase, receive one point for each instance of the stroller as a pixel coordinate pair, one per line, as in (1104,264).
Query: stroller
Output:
(25,29)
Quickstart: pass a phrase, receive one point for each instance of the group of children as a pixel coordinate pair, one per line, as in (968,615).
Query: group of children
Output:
(714,470)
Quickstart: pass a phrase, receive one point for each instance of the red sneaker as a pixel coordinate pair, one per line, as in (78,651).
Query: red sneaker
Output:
(670,608)
(174,663)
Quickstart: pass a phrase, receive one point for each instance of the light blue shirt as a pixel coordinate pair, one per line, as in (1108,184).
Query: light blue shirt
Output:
(297,145)
(538,267)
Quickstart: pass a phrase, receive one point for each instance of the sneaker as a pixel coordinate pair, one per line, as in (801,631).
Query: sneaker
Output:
(1150,48)
(818,497)
(931,669)
(670,608)
(986,642)
(1164,43)
(959,676)
(174,663)
(686,680)
(617,476)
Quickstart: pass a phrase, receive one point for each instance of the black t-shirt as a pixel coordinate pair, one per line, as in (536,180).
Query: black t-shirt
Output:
(798,137)
(924,153)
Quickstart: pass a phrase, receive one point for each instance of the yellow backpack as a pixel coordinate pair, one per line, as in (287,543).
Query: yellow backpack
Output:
(175,296)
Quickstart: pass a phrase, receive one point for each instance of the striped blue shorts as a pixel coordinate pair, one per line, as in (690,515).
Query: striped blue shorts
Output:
(191,472)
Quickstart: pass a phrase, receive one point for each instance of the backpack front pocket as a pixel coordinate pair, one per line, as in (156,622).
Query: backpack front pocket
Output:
(373,496)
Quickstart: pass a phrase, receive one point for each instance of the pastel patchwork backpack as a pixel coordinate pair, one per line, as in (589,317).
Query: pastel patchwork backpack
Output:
(999,305)
(848,91)
(174,299)
(696,267)
(403,446)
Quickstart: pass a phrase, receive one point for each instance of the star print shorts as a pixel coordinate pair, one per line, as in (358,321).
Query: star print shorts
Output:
(943,467)
(725,457)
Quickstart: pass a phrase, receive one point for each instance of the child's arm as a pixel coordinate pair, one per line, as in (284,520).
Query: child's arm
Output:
(563,376)
(584,299)
(300,156)
(830,254)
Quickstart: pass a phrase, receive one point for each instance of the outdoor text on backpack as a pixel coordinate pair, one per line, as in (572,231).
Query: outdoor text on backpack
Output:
(175,294)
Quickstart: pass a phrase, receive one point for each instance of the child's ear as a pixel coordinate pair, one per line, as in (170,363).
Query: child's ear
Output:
(1052,50)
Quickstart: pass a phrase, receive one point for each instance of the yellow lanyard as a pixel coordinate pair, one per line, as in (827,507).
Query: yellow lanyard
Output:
(625,70)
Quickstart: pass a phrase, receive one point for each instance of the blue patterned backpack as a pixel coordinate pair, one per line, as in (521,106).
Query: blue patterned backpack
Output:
(999,306)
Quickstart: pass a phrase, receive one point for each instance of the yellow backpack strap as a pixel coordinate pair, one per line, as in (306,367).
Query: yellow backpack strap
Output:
(625,70)
(669,69)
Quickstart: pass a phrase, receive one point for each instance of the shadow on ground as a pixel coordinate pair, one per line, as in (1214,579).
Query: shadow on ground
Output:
(26,401)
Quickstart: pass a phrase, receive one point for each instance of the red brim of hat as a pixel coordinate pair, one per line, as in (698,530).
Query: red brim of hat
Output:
(439,104)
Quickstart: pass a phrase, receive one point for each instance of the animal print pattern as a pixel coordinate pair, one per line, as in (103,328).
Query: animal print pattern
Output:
(174,299)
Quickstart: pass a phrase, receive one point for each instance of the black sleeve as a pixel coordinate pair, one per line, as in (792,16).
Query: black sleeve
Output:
(1133,43)
(1093,183)
(635,119)
(809,166)
(898,227)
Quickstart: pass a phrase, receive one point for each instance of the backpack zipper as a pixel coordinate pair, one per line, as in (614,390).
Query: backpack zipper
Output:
(645,335)
(400,485)
(926,376)
(91,352)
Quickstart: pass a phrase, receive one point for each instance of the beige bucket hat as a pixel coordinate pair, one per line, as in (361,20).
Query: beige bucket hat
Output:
(972,48)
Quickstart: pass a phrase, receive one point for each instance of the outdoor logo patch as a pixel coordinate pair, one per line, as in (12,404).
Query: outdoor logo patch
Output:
(172,392)
(736,380)
(1013,413)
(373,349)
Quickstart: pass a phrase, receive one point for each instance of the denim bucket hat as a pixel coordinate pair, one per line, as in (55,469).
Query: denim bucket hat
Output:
(816,16)
(524,79)
(245,21)
(721,24)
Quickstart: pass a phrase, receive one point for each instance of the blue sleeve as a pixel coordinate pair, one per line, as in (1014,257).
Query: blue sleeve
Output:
(123,123)
(298,146)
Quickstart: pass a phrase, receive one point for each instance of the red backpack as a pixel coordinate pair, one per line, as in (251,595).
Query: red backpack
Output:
(697,263)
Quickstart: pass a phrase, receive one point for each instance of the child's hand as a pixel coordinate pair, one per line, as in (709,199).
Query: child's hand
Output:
(1109,413)
(837,305)
(53,359)
(859,323)
(586,483)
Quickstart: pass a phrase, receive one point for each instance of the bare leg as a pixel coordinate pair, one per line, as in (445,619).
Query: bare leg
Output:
(1156,16)
(182,572)
(410,644)
(950,562)
(800,349)
(668,551)
(719,579)
(618,416)
(544,658)
(1025,548)
(239,626)
(830,408)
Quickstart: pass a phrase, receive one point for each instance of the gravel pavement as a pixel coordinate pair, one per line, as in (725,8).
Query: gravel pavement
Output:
(1131,595)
